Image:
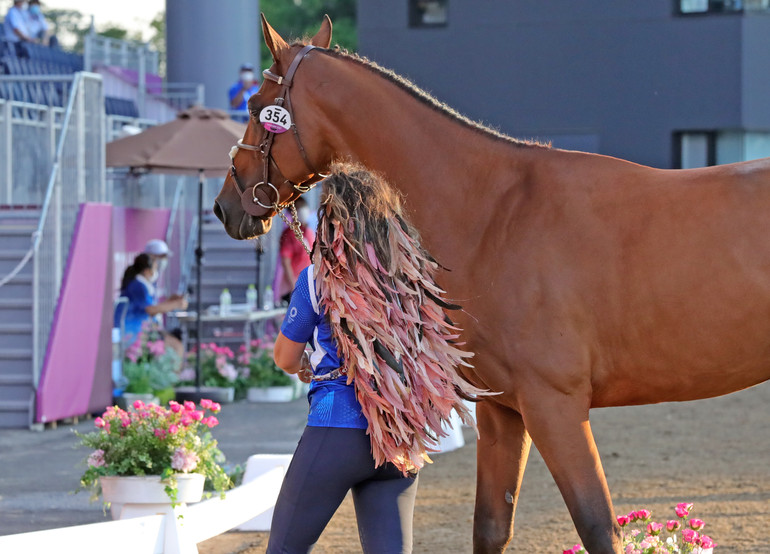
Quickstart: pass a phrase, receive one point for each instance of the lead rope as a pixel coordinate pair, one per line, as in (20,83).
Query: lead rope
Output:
(294,225)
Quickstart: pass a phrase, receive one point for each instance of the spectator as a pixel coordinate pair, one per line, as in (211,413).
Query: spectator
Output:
(241,91)
(15,28)
(293,256)
(37,25)
(138,285)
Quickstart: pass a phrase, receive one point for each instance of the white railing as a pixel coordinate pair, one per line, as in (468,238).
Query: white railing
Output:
(103,50)
(159,534)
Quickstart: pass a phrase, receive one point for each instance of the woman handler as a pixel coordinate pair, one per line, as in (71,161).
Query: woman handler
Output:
(377,402)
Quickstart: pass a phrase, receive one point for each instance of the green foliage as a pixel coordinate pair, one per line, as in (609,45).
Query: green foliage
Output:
(217,369)
(148,365)
(258,368)
(302,18)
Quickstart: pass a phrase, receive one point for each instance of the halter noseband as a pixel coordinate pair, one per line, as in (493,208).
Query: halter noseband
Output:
(258,203)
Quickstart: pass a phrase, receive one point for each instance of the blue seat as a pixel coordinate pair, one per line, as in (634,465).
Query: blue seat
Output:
(120,106)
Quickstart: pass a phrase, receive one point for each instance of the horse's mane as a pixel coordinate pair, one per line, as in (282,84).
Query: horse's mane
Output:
(422,96)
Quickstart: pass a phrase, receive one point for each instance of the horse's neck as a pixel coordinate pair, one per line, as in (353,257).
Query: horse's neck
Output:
(444,169)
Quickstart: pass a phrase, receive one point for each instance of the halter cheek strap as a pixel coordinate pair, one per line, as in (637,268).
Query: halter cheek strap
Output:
(256,200)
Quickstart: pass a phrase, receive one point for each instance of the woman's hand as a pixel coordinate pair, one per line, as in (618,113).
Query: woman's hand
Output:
(305,372)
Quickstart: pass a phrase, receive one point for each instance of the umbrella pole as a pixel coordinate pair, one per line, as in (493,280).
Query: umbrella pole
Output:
(198,299)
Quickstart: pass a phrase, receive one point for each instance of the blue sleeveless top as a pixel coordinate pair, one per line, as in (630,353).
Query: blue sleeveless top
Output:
(333,403)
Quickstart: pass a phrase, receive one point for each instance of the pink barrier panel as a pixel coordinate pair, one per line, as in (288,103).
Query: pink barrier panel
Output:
(132,228)
(76,377)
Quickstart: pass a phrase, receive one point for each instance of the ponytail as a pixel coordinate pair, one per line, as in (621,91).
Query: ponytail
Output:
(141,262)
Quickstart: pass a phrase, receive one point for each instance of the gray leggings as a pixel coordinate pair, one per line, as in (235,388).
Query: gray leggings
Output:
(328,462)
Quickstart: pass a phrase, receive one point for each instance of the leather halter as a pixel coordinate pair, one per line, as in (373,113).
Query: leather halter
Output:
(255,200)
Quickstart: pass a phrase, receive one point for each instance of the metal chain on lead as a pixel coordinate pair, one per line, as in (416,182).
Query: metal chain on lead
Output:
(294,225)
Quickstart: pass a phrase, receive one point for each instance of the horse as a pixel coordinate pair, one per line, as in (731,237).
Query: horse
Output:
(587,281)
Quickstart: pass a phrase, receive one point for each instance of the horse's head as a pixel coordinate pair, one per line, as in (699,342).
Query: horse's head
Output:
(279,156)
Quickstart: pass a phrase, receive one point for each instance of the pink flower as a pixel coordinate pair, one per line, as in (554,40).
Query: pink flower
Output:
(173,429)
(187,374)
(125,422)
(654,528)
(690,536)
(184,461)
(160,433)
(196,415)
(186,420)
(696,524)
(623,520)
(156,347)
(99,422)
(174,406)
(205,403)
(683,509)
(216,407)
(644,515)
(189,406)
(673,525)
(210,422)
(138,405)
(577,549)
(96,459)
(707,542)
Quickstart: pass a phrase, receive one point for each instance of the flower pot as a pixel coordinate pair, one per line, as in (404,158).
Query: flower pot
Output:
(271,394)
(138,495)
(222,395)
(130,397)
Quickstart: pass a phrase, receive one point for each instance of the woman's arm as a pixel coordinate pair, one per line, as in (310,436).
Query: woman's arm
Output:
(174,302)
(289,355)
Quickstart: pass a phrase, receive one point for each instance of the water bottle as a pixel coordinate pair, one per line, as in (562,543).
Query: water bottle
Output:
(225,300)
(251,298)
(267,302)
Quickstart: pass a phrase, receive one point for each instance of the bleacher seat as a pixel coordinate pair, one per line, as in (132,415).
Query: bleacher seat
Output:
(120,106)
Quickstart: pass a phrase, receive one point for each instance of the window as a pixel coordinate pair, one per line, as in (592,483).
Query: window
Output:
(704,148)
(695,149)
(721,6)
(428,13)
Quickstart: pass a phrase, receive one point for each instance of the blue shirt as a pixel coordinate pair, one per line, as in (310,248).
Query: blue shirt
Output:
(140,294)
(243,106)
(333,403)
(14,19)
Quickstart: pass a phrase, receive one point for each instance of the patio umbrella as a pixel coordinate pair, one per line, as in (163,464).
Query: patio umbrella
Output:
(197,141)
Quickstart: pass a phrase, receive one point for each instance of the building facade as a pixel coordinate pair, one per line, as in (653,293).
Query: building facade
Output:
(666,83)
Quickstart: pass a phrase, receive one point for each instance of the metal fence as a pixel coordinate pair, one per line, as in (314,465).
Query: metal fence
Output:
(76,176)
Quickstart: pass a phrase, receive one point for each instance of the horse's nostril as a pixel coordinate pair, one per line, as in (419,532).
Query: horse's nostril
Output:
(218,212)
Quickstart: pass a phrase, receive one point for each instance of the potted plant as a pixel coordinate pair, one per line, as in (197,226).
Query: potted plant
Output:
(262,379)
(149,369)
(218,374)
(153,458)
(642,534)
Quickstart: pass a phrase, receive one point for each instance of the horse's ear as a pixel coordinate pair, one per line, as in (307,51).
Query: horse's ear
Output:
(274,41)
(323,38)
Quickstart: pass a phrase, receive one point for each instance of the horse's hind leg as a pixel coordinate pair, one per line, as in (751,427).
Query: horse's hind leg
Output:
(502,452)
(559,426)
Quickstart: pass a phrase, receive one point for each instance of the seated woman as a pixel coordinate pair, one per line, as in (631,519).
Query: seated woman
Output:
(138,286)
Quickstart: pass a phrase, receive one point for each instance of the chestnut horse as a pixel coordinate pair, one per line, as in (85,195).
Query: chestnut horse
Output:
(587,281)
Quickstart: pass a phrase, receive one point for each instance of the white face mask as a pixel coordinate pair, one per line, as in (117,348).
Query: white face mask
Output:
(162,264)
(304,215)
(247,77)
(154,276)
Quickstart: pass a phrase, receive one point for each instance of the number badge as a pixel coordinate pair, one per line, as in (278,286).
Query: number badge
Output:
(275,119)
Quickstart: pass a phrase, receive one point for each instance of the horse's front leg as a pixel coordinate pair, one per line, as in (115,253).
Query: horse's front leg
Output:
(502,451)
(559,426)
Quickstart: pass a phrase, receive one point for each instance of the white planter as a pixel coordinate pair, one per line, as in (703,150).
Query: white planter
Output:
(271,394)
(131,397)
(223,395)
(135,496)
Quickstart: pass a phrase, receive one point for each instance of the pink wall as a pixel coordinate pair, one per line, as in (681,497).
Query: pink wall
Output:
(76,376)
